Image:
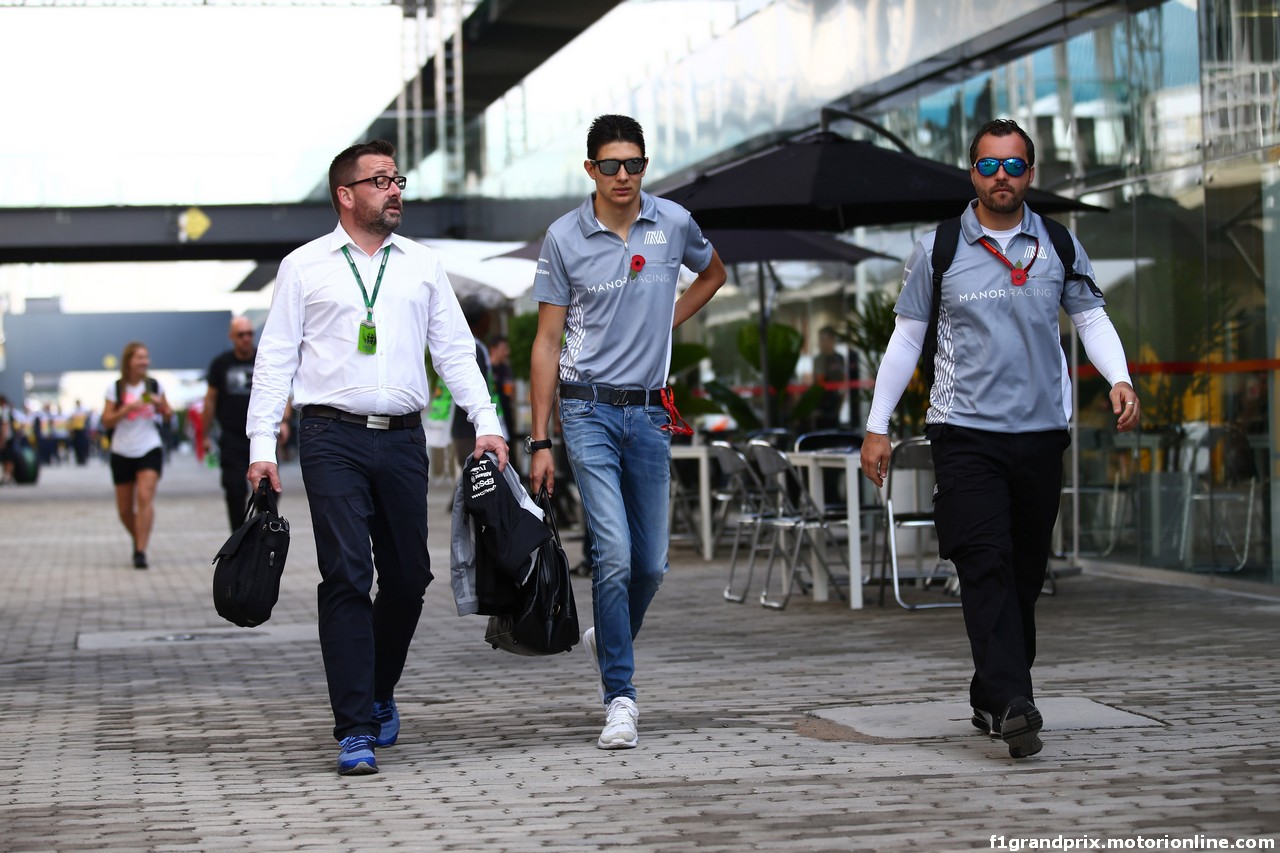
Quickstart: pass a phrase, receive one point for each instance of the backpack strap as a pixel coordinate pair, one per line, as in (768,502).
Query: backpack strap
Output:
(1066,249)
(944,251)
(945,241)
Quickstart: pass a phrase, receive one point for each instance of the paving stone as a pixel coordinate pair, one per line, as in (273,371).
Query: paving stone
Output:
(134,718)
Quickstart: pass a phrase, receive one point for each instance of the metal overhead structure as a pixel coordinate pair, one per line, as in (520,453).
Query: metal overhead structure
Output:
(471,63)
(256,232)
(502,40)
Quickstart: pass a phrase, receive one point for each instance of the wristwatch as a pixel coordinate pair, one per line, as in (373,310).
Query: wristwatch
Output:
(531,446)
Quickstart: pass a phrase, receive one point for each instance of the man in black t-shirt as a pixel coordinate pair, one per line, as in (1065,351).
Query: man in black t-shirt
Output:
(461,430)
(227,400)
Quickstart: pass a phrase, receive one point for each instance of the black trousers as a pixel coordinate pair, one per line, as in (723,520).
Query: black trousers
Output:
(368,494)
(996,503)
(234,460)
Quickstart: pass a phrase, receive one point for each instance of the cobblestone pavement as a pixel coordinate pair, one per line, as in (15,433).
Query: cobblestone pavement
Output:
(134,718)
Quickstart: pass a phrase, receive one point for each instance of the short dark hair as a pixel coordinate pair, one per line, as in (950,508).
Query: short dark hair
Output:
(613,128)
(342,170)
(474,310)
(1001,127)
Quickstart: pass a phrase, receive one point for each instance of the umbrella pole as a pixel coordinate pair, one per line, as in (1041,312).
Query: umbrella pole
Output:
(766,420)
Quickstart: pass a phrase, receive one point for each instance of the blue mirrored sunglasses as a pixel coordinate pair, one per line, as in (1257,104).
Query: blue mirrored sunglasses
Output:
(1013,166)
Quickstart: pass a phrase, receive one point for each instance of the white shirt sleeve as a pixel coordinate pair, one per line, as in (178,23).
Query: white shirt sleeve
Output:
(1102,344)
(896,369)
(275,365)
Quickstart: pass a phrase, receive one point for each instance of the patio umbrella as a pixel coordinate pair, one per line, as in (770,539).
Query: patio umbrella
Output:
(761,247)
(741,245)
(822,181)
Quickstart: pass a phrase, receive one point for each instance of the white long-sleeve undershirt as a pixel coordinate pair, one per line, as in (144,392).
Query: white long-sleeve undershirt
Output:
(1101,345)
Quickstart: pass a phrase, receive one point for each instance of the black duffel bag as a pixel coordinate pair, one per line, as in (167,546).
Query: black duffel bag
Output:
(546,621)
(246,577)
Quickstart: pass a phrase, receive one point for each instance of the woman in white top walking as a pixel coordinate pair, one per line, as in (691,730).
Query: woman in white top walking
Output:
(137,454)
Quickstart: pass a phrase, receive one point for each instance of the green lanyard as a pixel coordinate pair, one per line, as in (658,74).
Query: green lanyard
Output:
(368,303)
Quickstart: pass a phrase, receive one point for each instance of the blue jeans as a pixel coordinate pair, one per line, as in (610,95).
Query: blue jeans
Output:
(621,460)
(368,494)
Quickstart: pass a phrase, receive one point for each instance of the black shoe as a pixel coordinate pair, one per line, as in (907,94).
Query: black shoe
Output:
(985,722)
(139,559)
(1020,726)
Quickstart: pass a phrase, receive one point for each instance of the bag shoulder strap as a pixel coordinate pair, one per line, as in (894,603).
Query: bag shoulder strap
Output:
(1066,249)
(945,240)
(150,383)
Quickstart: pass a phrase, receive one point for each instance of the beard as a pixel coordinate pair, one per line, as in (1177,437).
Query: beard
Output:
(1001,204)
(384,221)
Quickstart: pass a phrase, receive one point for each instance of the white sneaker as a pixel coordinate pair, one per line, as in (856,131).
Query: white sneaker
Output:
(620,725)
(589,644)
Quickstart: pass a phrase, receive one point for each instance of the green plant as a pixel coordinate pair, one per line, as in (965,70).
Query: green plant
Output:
(868,330)
(782,351)
(684,361)
(521,330)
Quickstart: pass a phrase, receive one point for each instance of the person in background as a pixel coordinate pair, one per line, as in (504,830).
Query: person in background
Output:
(999,408)
(504,382)
(137,456)
(226,403)
(79,425)
(829,371)
(352,315)
(6,441)
(461,430)
(606,288)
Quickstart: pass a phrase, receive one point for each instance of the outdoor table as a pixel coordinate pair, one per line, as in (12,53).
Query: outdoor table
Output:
(849,461)
(702,454)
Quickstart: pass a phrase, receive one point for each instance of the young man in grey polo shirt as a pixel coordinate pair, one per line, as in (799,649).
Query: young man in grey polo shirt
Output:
(606,286)
(998,414)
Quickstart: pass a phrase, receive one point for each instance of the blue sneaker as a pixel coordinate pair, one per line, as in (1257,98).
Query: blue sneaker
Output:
(356,757)
(388,716)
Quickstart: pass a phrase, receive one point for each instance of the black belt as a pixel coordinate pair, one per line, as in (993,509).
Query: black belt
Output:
(612,396)
(408,421)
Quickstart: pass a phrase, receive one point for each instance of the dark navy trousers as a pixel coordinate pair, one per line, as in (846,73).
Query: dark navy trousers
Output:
(996,503)
(368,494)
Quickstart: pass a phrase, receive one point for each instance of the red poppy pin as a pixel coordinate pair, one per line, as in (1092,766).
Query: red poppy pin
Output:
(1019,275)
(637,264)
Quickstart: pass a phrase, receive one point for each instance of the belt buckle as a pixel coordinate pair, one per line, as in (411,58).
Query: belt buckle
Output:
(378,422)
(617,396)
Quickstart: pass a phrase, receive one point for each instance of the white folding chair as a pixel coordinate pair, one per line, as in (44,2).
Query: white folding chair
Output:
(908,491)
(745,503)
(1221,485)
(799,518)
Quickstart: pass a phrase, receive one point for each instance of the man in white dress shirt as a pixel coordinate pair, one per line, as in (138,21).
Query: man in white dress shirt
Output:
(352,315)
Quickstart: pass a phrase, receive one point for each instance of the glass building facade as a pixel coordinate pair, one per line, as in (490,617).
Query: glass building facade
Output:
(1162,113)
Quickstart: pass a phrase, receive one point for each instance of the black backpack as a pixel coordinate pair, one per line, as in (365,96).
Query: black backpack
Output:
(945,241)
(152,386)
(246,580)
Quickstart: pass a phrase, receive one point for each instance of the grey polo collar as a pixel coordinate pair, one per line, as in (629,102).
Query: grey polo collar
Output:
(971,228)
(590,225)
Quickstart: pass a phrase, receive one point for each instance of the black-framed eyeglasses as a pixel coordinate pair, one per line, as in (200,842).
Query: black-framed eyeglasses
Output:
(381,181)
(634,165)
(1013,166)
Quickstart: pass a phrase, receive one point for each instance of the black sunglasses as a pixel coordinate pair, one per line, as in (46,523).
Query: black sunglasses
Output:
(635,165)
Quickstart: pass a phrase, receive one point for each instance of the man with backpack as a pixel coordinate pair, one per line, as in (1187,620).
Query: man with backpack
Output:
(981,297)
